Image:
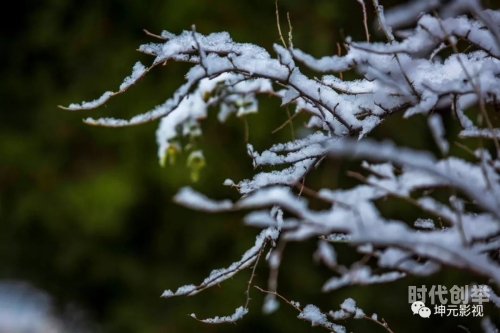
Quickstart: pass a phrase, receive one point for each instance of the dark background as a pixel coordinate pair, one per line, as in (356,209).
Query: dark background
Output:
(86,213)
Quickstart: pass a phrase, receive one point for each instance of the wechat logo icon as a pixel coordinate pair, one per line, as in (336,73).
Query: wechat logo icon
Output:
(420,309)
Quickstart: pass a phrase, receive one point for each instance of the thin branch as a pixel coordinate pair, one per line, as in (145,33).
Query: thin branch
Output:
(365,20)
(296,307)
(247,292)
(246,129)
(288,121)
(339,53)
(154,35)
(382,323)
(278,24)
(290,29)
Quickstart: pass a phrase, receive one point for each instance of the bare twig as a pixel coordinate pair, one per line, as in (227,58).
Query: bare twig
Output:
(154,35)
(365,20)
(280,296)
(290,29)
(279,25)
(382,323)
(247,292)
(288,121)
(339,53)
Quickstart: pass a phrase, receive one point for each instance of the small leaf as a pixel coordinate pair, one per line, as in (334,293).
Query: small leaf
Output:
(170,155)
(196,162)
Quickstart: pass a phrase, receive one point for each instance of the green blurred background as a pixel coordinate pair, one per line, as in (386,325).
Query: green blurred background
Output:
(86,213)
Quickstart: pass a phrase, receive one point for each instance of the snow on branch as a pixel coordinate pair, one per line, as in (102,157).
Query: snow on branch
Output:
(188,197)
(138,71)
(414,84)
(396,76)
(219,275)
(448,62)
(360,275)
(237,315)
(316,317)
(457,172)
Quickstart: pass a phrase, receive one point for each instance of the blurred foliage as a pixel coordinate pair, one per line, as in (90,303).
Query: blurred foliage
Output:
(86,213)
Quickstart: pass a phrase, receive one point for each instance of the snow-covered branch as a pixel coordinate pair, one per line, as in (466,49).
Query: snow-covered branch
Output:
(447,62)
